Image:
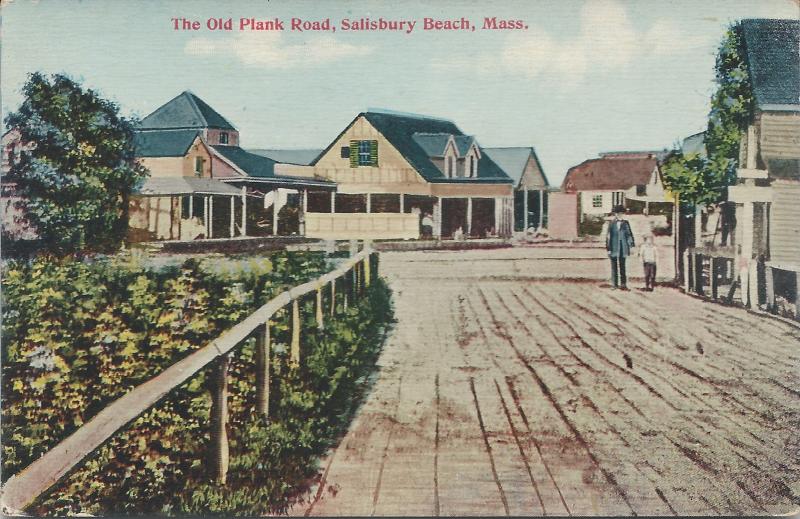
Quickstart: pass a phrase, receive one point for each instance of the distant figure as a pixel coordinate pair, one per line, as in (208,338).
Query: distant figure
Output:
(458,234)
(619,242)
(427,226)
(649,255)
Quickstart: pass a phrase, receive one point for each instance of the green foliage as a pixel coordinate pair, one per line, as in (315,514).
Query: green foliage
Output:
(80,171)
(591,226)
(78,335)
(703,180)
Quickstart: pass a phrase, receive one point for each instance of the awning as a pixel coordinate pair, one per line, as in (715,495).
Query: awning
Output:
(163,186)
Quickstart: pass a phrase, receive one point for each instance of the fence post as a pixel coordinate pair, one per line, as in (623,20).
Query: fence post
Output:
(687,285)
(367,270)
(295,355)
(219,422)
(262,370)
(320,324)
(712,274)
(333,297)
(698,274)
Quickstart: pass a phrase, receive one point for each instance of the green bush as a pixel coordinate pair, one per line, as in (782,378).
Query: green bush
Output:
(79,335)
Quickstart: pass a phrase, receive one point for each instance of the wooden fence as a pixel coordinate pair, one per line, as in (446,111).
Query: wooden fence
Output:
(22,489)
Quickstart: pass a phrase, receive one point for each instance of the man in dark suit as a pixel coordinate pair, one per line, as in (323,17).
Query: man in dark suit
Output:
(619,242)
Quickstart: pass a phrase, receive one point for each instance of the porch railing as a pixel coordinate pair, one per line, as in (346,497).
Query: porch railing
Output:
(23,488)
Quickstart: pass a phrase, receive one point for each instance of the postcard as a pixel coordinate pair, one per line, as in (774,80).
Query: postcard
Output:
(361,257)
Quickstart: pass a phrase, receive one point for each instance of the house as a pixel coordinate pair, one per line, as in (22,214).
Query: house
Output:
(530,184)
(391,168)
(767,190)
(616,178)
(694,145)
(202,183)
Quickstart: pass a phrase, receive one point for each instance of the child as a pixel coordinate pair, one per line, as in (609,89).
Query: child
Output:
(649,255)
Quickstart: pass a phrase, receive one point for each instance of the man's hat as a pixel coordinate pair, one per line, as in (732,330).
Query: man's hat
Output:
(618,209)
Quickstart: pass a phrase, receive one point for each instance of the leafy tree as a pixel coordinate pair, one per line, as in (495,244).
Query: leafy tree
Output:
(80,170)
(702,180)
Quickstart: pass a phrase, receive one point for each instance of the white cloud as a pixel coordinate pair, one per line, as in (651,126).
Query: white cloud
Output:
(606,41)
(270,50)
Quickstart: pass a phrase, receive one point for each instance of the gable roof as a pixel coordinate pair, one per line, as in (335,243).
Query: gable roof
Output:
(463,144)
(772,50)
(252,164)
(434,144)
(514,159)
(609,173)
(399,130)
(185,110)
(298,157)
(163,143)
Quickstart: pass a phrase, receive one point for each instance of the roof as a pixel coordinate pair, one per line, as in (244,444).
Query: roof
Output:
(399,130)
(186,110)
(463,143)
(252,164)
(163,143)
(694,145)
(660,155)
(434,144)
(299,157)
(609,173)
(185,186)
(773,60)
(513,161)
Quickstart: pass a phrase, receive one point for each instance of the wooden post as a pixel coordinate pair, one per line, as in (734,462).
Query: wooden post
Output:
(191,206)
(770,282)
(686,285)
(698,274)
(295,345)
(319,318)
(232,227)
(366,268)
(369,202)
(244,211)
(333,202)
(541,208)
(333,297)
(210,216)
(469,217)
(262,370)
(276,195)
(402,203)
(219,422)
(525,209)
(712,275)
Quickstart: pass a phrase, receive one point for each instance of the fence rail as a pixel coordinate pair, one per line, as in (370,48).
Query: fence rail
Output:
(22,489)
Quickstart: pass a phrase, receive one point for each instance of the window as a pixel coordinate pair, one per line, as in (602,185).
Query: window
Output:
(198,166)
(345,152)
(363,153)
(451,163)
(597,201)
(641,190)
(223,137)
(472,165)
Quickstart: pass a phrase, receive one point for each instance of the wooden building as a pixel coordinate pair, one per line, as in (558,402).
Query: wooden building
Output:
(392,169)
(767,192)
(531,187)
(204,185)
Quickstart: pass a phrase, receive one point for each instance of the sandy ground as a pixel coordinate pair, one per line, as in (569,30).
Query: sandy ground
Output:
(511,387)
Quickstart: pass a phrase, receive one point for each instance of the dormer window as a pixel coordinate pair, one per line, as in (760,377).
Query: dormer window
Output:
(198,166)
(223,137)
(451,166)
(472,165)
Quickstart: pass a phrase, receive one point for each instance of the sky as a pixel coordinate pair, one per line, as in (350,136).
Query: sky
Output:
(581,77)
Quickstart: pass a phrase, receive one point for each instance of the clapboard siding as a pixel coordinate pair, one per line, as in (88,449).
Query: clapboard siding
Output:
(784,229)
(780,136)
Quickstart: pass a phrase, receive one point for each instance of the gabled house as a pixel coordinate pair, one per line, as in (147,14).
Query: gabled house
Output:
(766,195)
(530,183)
(219,189)
(393,168)
(615,179)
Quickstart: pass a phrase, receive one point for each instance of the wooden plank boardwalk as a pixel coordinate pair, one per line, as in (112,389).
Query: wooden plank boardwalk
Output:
(512,395)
